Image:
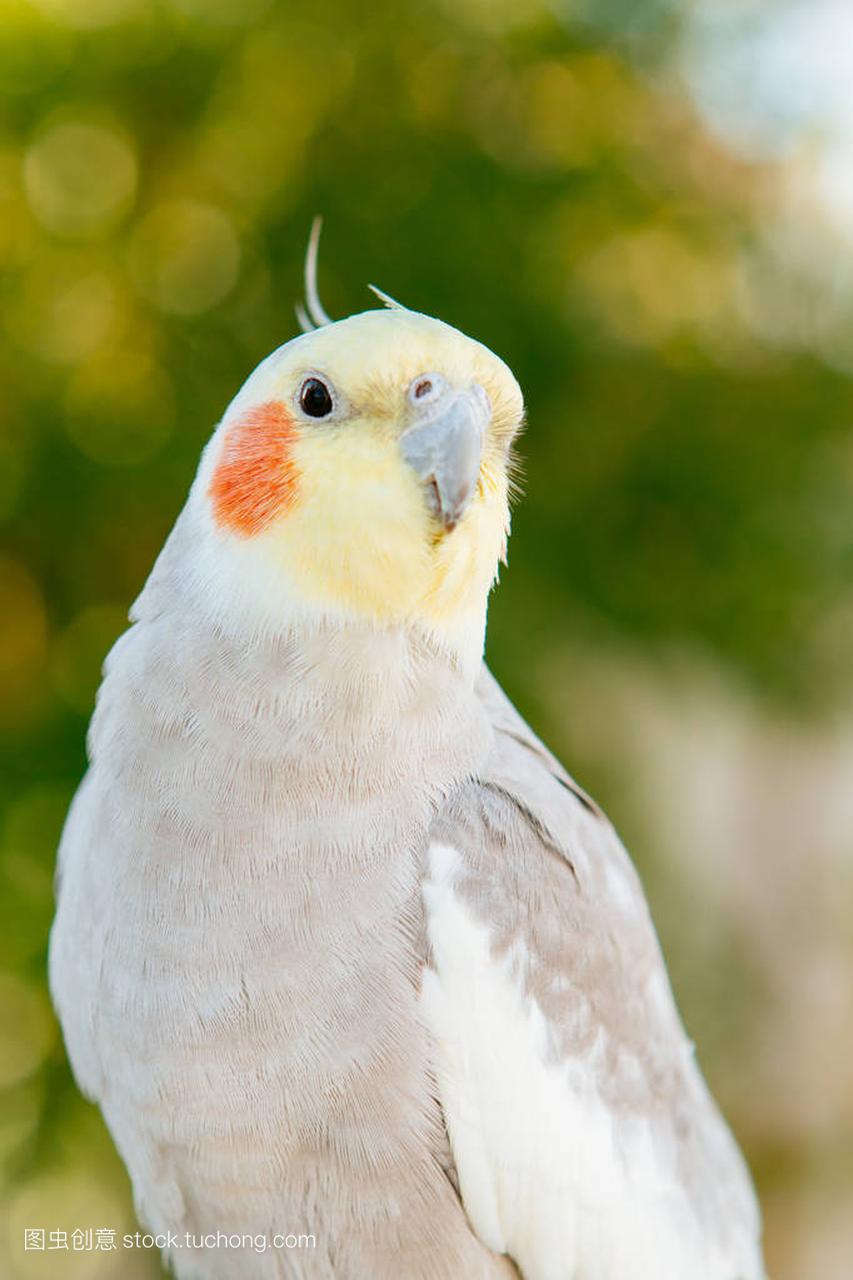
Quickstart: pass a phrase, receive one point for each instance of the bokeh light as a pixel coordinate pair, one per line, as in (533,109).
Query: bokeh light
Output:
(119,407)
(69,305)
(185,257)
(80,178)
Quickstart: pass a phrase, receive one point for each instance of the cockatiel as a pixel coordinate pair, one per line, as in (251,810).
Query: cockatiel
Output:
(341,950)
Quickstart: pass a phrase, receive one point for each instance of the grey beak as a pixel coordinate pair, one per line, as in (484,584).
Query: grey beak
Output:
(444,445)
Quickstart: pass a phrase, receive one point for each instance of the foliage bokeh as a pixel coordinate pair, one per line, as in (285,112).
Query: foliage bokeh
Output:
(680,570)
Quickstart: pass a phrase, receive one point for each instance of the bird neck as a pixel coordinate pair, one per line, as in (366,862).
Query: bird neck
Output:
(335,700)
(226,586)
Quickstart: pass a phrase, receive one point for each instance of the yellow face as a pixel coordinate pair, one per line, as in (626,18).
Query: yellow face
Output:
(369,462)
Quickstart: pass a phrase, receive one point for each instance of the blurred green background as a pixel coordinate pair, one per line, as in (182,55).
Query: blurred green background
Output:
(639,207)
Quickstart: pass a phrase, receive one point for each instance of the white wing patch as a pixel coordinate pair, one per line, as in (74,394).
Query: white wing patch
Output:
(548,1173)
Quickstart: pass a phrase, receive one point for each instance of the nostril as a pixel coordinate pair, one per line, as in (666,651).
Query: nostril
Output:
(426,388)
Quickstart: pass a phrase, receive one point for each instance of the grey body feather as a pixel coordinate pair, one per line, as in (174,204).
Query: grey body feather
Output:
(240,941)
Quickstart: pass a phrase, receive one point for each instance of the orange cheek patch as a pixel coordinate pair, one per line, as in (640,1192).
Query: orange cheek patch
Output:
(256,476)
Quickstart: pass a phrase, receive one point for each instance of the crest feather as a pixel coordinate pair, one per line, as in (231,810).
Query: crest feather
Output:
(313,314)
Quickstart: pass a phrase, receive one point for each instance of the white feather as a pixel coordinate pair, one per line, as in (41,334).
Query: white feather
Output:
(548,1173)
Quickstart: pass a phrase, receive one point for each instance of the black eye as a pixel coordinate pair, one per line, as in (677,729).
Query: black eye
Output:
(315,399)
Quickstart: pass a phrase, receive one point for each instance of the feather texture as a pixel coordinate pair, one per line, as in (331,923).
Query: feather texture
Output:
(239,951)
(340,949)
(586,1142)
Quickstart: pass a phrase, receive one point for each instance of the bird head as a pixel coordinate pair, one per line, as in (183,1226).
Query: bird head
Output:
(364,470)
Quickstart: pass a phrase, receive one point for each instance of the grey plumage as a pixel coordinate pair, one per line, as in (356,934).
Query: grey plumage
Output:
(291,836)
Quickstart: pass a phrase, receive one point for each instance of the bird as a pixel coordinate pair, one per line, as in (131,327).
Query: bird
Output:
(364,984)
